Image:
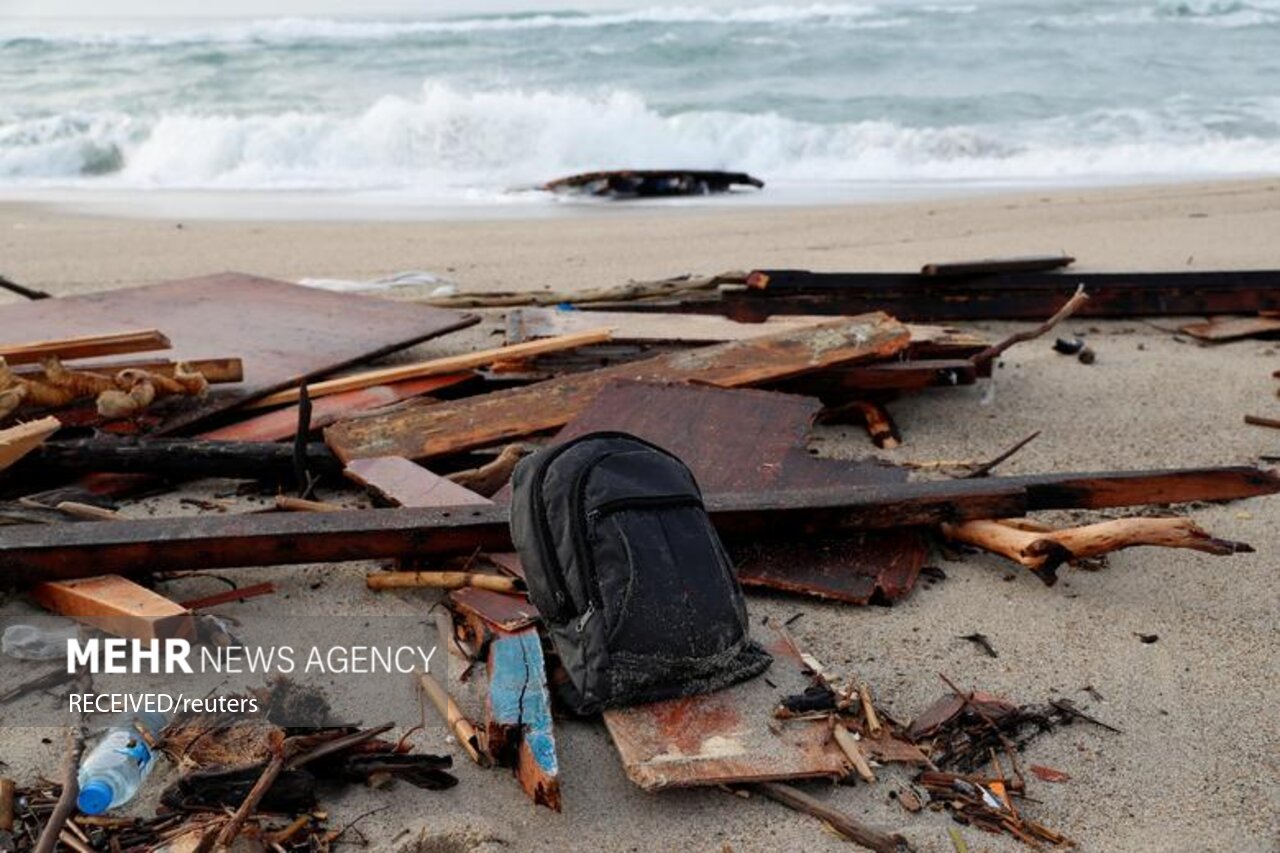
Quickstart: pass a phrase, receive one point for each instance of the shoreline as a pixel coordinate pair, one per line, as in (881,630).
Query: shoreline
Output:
(1221,225)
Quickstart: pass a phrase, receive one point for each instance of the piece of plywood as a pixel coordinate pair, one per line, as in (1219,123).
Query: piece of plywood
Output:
(518,714)
(84,346)
(283,333)
(17,441)
(726,737)
(427,431)
(403,483)
(283,423)
(118,606)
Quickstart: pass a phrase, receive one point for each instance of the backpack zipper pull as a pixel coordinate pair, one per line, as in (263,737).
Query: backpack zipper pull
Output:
(586,617)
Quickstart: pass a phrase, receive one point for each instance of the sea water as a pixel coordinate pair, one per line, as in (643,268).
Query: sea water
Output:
(832,100)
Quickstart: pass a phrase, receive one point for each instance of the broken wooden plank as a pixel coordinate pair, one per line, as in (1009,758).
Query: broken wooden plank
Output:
(1011,296)
(434,367)
(81,346)
(728,736)
(283,423)
(496,610)
(423,432)
(877,567)
(284,333)
(518,714)
(1232,328)
(399,482)
(17,441)
(118,606)
(217,371)
(31,554)
(987,266)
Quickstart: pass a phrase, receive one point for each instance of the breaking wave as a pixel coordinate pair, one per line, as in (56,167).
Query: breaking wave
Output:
(448,140)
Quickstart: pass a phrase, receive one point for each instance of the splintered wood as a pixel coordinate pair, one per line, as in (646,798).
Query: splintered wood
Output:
(728,736)
(118,606)
(426,431)
(1043,551)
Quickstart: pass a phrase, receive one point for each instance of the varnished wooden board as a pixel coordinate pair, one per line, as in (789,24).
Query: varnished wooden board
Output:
(427,431)
(283,333)
(726,737)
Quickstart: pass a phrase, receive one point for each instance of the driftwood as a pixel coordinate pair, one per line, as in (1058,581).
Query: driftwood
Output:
(1043,551)
(869,837)
(49,837)
(23,290)
(17,441)
(288,503)
(1257,420)
(492,476)
(633,291)
(123,393)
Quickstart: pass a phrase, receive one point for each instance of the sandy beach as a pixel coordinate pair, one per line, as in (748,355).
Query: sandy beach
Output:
(1197,765)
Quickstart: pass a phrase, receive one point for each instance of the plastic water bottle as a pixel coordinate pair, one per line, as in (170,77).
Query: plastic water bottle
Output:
(114,771)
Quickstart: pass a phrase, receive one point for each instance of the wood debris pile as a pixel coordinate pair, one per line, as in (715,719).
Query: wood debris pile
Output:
(411,463)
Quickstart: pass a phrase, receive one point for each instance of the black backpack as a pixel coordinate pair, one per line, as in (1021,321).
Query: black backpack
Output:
(639,596)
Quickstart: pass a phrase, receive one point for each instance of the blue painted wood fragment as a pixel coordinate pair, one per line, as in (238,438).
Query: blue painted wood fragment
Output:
(519,725)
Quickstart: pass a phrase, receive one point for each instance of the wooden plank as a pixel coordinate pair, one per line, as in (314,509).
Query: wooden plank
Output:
(218,371)
(1011,296)
(427,431)
(34,553)
(874,567)
(726,737)
(400,482)
(84,346)
(284,333)
(283,423)
(518,714)
(1232,328)
(1025,263)
(495,610)
(17,441)
(525,324)
(434,367)
(118,606)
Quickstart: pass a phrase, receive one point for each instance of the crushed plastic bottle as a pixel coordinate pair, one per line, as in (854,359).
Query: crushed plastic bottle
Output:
(113,772)
(27,642)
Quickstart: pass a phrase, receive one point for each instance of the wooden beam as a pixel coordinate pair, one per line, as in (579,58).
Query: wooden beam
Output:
(17,441)
(118,606)
(180,457)
(1010,296)
(434,367)
(130,547)
(424,432)
(987,266)
(85,346)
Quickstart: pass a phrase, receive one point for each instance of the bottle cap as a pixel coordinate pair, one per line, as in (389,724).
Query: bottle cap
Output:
(95,797)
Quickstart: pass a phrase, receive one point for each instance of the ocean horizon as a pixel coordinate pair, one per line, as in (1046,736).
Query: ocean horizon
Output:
(825,102)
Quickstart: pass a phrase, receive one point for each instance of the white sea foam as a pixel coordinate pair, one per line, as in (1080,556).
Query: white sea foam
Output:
(448,141)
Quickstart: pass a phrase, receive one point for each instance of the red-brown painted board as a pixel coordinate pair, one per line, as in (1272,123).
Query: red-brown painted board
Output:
(398,481)
(726,737)
(283,333)
(283,423)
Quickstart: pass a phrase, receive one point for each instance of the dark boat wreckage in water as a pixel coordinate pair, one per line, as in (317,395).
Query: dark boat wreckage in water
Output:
(651,183)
